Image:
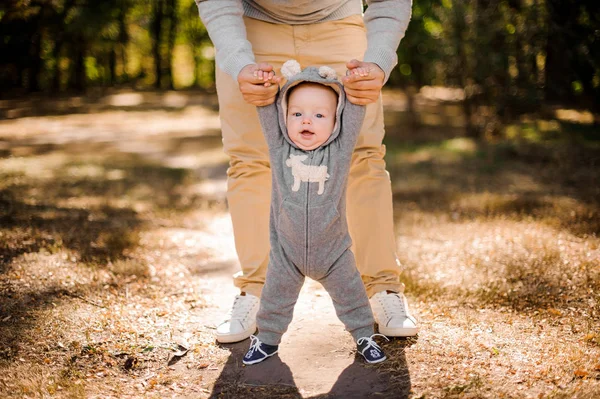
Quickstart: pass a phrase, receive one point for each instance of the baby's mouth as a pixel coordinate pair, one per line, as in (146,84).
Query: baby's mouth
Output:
(306,133)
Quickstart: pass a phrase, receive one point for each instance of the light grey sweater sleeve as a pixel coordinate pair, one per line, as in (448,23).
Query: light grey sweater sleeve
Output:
(225,25)
(386,22)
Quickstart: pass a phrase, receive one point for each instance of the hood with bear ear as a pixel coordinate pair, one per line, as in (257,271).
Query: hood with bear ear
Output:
(324,75)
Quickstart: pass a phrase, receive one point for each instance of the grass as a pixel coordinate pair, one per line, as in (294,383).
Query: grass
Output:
(500,249)
(110,242)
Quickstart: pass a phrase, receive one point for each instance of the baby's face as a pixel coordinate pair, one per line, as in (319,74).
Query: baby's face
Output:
(311,115)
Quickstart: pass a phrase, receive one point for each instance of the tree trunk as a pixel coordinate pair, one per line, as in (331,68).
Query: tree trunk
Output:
(58,44)
(78,77)
(157,20)
(197,62)
(558,72)
(59,41)
(465,78)
(521,40)
(112,66)
(123,38)
(36,61)
(172,37)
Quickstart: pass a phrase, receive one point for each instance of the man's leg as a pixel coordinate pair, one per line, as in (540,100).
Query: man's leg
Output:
(369,199)
(248,183)
(248,180)
(248,197)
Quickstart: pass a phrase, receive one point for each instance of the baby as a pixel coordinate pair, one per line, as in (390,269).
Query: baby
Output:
(311,131)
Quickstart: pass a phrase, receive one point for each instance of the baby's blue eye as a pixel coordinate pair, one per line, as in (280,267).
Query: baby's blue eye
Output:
(297,114)
(320,116)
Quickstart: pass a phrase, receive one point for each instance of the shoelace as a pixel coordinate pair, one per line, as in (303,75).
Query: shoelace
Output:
(371,343)
(241,308)
(391,309)
(254,346)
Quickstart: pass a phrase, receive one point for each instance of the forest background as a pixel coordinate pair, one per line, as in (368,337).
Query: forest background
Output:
(509,57)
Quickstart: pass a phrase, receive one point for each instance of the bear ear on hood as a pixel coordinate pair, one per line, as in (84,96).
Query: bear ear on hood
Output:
(290,68)
(327,73)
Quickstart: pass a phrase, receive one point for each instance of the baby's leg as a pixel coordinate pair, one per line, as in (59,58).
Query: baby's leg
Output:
(344,285)
(279,295)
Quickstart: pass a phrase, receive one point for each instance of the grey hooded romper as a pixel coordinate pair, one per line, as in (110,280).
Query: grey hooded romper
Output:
(308,229)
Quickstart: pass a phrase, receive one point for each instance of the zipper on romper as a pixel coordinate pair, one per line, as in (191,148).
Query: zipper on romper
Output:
(307,218)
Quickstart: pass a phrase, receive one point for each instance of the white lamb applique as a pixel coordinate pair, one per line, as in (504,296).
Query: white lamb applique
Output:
(307,173)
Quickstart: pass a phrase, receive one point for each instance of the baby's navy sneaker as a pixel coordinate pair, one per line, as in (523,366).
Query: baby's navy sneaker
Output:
(369,349)
(259,351)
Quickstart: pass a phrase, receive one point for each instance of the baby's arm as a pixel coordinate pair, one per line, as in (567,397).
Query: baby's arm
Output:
(269,122)
(352,117)
(267,115)
(352,120)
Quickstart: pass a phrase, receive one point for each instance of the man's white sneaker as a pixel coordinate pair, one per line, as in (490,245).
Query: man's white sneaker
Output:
(390,310)
(241,321)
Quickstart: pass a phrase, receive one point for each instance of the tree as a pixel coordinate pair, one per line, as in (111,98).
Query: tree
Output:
(157,25)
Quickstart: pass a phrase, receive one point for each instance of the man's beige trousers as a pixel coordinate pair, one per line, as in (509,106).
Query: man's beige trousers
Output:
(369,196)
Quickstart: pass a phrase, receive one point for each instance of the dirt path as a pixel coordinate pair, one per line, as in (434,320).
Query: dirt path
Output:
(316,358)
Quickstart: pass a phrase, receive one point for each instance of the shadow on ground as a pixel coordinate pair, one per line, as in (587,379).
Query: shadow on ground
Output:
(274,379)
(25,309)
(105,100)
(560,186)
(30,228)
(94,208)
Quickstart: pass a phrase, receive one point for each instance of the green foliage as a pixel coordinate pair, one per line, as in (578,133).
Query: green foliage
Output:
(72,44)
(420,48)
(509,56)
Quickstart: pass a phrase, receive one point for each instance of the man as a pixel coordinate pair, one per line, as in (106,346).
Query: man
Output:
(253,38)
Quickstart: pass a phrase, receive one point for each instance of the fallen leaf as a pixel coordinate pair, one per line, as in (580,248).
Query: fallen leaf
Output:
(555,312)
(180,349)
(130,363)
(581,373)
(203,365)
(589,337)
(597,367)
(7,318)
(180,352)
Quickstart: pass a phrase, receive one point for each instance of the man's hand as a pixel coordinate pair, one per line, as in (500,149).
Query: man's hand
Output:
(363,82)
(258,84)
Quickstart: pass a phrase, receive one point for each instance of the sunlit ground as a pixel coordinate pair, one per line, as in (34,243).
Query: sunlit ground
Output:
(115,245)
